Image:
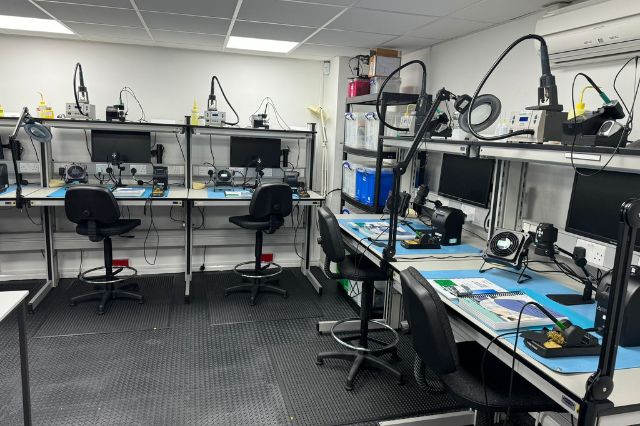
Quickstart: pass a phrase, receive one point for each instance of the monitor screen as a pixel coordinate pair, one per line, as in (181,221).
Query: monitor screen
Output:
(595,204)
(246,151)
(132,147)
(468,180)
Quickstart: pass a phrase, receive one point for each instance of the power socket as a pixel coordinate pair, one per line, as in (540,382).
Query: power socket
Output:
(204,170)
(26,167)
(101,168)
(595,252)
(175,170)
(141,169)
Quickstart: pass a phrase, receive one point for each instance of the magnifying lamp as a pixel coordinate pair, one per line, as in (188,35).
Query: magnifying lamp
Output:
(36,131)
(486,110)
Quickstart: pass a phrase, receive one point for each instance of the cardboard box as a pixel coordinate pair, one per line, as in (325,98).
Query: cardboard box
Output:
(382,66)
(390,53)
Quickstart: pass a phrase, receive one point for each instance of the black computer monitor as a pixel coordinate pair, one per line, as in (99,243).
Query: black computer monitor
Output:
(595,203)
(132,147)
(468,180)
(246,151)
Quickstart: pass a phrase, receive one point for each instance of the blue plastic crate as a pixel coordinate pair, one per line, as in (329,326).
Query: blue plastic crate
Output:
(366,185)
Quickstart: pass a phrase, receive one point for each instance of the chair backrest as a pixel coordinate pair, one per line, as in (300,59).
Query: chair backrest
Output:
(430,327)
(330,235)
(271,199)
(88,203)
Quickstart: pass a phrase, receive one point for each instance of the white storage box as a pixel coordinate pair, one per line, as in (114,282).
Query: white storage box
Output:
(372,127)
(392,86)
(349,178)
(354,129)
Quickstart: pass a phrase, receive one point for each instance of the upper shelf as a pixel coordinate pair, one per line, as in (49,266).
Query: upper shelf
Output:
(62,123)
(251,132)
(390,98)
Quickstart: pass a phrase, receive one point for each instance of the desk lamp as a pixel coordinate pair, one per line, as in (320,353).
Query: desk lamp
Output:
(36,131)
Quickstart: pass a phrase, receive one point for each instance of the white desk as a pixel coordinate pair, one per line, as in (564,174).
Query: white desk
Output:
(8,198)
(203,198)
(15,301)
(176,197)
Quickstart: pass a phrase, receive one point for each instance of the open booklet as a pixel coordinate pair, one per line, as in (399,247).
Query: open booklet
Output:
(379,231)
(492,304)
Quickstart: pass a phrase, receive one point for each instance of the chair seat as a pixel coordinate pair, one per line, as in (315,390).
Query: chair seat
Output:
(465,384)
(358,267)
(254,223)
(121,226)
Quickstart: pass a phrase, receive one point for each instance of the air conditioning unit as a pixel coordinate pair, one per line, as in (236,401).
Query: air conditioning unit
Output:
(592,31)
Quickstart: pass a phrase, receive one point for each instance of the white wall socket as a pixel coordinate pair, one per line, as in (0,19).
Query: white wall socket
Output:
(141,169)
(469,211)
(595,252)
(26,167)
(204,170)
(101,168)
(175,170)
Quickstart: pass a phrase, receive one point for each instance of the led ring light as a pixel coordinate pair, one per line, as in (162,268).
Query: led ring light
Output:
(486,110)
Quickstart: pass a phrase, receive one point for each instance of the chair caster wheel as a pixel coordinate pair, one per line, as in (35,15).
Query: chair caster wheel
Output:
(319,362)
(252,303)
(285,296)
(141,302)
(348,387)
(72,304)
(226,294)
(100,311)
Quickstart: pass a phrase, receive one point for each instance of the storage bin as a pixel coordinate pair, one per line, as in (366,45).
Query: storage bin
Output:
(392,86)
(354,129)
(366,185)
(349,179)
(358,86)
(371,129)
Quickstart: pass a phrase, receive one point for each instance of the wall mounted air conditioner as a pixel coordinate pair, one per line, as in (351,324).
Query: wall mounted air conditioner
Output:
(592,31)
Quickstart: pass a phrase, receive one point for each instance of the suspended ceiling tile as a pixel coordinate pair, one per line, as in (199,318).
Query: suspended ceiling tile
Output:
(271,31)
(374,20)
(406,43)
(21,8)
(283,12)
(447,28)
(327,52)
(97,31)
(194,39)
(496,11)
(212,8)
(349,38)
(330,2)
(125,4)
(422,7)
(193,24)
(93,14)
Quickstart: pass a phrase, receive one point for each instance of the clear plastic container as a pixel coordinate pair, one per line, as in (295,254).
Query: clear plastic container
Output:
(349,178)
(354,129)
(372,127)
(393,85)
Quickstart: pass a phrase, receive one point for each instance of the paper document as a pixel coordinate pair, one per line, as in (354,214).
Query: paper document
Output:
(128,192)
(380,230)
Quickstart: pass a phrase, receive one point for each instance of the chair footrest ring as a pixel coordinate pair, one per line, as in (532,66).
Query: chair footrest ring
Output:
(86,277)
(394,343)
(268,270)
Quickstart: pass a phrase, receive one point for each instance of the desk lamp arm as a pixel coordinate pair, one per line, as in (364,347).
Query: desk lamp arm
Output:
(401,167)
(600,384)
(24,115)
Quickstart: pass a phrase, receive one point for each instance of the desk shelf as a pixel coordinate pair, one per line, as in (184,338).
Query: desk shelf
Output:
(61,123)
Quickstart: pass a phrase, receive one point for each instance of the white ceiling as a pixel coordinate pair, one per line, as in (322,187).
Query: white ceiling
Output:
(324,28)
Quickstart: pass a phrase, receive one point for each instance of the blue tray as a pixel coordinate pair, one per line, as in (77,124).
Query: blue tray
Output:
(537,288)
(461,249)
(60,193)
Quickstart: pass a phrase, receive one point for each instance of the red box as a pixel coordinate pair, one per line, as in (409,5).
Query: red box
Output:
(120,262)
(358,86)
(266,257)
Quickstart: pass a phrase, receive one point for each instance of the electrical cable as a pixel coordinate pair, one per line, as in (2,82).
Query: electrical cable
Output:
(151,225)
(180,146)
(482,363)
(381,117)
(26,210)
(213,80)
(35,151)
(77,69)
(86,143)
(129,91)
(543,45)
(627,127)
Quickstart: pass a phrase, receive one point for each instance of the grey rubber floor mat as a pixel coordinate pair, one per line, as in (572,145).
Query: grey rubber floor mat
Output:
(235,308)
(121,316)
(315,395)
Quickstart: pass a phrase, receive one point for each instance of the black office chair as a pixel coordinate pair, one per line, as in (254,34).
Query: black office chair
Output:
(458,366)
(96,212)
(357,268)
(270,204)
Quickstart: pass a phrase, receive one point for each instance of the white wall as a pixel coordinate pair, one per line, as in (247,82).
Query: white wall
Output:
(166,81)
(460,64)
